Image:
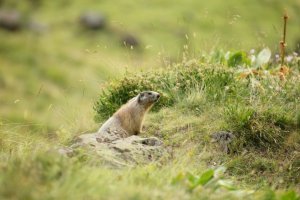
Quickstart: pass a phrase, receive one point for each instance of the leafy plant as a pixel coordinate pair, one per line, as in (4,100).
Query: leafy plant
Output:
(204,179)
(238,59)
(263,57)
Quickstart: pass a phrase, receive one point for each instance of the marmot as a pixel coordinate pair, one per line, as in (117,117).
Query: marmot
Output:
(129,118)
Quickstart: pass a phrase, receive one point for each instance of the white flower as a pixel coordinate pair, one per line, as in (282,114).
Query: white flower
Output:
(289,58)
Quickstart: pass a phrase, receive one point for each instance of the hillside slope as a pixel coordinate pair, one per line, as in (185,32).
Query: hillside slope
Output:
(199,99)
(52,83)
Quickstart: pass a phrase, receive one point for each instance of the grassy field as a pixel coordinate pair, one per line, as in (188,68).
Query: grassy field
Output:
(50,81)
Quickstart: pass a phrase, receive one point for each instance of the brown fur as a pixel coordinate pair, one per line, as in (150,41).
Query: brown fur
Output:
(130,116)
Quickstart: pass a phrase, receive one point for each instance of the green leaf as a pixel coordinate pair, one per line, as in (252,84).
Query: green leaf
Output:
(263,57)
(290,195)
(192,178)
(238,58)
(205,177)
(178,178)
(226,184)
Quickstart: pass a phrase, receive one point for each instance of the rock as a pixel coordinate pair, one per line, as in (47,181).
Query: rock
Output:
(10,20)
(37,27)
(92,20)
(129,40)
(223,138)
(117,151)
(66,151)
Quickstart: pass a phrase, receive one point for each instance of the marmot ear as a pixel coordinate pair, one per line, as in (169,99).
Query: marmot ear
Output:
(141,95)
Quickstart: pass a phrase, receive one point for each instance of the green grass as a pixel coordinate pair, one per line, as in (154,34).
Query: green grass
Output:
(264,154)
(200,98)
(50,83)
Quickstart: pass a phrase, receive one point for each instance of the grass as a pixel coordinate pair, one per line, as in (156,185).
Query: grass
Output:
(214,99)
(35,170)
(261,111)
(50,82)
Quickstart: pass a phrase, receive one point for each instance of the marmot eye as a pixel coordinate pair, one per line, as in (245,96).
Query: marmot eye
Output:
(149,93)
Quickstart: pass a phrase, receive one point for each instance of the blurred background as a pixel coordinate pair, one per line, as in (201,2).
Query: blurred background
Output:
(55,56)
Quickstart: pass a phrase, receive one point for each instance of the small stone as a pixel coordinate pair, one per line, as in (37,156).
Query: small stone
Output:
(223,138)
(92,20)
(10,20)
(130,41)
(66,151)
(37,27)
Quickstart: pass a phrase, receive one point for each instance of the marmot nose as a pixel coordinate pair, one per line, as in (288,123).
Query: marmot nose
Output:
(158,95)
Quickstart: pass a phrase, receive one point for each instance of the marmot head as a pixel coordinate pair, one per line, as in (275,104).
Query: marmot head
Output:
(148,98)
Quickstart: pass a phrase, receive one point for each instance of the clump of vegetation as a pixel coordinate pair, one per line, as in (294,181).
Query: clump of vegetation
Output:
(174,83)
(292,169)
(213,74)
(262,128)
(260,109)
(213,180)
(251,164)
(119,92)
